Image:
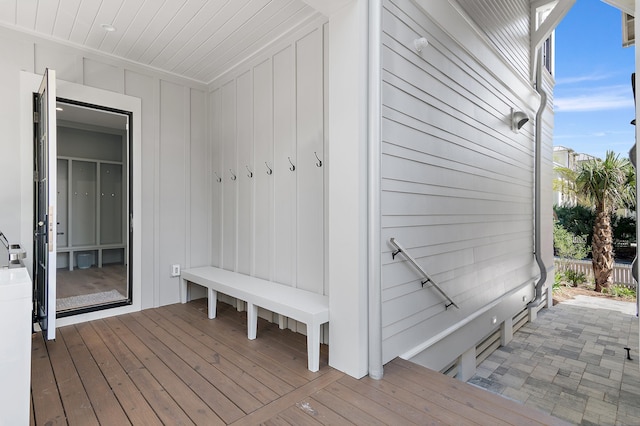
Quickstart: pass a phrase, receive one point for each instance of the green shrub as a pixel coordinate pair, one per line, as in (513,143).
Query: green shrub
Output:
(575,278)
(578,220)
(566,245)
(557,280)
(620,291)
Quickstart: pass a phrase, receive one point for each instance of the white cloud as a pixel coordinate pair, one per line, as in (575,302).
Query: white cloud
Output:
(583,78)
(601,134)
(596,99)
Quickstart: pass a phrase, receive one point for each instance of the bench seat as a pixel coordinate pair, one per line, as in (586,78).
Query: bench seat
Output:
(307,307)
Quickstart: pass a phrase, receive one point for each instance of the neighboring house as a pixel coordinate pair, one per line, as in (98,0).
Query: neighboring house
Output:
(370,133)
(569,159)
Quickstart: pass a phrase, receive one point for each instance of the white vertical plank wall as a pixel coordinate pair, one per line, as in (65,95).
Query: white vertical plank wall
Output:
(244,140)
(198,181)
(173,198)
(278,99)
(310,178)
(147,89)
(171,138)
(230,173)
(284,128)
(217,178)
(263,155)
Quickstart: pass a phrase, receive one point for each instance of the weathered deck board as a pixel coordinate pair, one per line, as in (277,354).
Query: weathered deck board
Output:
(45,396)
(138,410)
(172,365)
(104,402)
(76,403)
(187,395)
(161,402)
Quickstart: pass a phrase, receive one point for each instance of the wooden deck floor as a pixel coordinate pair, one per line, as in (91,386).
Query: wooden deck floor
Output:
(172,366)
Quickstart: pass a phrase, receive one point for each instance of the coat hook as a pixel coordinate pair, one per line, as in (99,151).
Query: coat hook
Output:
(269,171)
(233,177)
(218,178)
(293,167)
(319,163)
(250,172)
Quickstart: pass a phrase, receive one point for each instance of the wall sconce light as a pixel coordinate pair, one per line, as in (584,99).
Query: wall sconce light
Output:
(518,119)
(420,44)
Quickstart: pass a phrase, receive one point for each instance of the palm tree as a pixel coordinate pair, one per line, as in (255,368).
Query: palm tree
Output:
(608,185)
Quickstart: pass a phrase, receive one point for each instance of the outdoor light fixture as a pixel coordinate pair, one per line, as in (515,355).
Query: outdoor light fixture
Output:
(420,44)
(518,119)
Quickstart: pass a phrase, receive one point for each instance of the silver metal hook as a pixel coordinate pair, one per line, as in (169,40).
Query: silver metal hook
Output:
(250,172)
(233,176)
(293,167)
(319,163)
(218,178)
(269,171)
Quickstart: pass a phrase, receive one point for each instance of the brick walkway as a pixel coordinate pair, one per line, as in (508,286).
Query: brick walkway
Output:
(571,363)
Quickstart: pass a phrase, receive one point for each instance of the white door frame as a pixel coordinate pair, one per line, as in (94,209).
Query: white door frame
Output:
(29,83)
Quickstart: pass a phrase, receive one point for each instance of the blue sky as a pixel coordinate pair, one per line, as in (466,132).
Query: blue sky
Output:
(593,98)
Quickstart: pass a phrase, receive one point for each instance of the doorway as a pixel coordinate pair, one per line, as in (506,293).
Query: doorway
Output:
(93,208)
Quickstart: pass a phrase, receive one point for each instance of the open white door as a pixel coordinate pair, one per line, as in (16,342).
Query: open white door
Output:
(45,173)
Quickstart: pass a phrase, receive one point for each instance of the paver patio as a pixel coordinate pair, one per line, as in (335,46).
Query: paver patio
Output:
(572,363)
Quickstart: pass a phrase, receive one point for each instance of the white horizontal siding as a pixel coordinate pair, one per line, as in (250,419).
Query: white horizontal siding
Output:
(457,183)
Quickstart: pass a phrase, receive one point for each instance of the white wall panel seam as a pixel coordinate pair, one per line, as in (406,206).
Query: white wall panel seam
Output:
(156,180)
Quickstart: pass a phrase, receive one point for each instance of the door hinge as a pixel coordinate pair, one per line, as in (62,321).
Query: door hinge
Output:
(36,117)
(35,176)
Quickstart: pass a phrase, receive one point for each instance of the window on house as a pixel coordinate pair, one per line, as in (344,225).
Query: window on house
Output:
(547,47)
(547,54)
(628,30)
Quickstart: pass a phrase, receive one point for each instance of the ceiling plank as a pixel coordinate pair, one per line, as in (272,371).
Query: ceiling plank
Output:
(65,19)
(196,39)
(85,20)
(204,18)
(106,15)
(181,19)
(244,33)
(292,24)
(250,37)
(155,29)
(122,21)
(47,11)
(182,62)
(145,15)
(8,11)
(26,14)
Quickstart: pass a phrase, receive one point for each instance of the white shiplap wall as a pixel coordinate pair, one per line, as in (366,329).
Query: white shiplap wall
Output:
(268,114)
(457,183)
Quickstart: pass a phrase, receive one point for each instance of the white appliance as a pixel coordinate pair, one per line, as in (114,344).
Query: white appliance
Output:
(15,349)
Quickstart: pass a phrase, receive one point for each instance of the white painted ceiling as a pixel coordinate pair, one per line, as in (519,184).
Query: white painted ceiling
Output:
(197,39)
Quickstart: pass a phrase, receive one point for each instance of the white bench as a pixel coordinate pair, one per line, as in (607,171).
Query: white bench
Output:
(309,308)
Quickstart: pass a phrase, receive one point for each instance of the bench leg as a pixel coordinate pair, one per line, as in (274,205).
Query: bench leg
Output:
(183,290)
(212,300)
(282,322)
(252,321)
(313,347)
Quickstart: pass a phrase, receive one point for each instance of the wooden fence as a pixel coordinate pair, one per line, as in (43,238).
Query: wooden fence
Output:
(621,272)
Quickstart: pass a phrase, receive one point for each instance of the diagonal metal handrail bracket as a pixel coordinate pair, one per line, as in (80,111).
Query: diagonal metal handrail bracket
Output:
(425,277)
